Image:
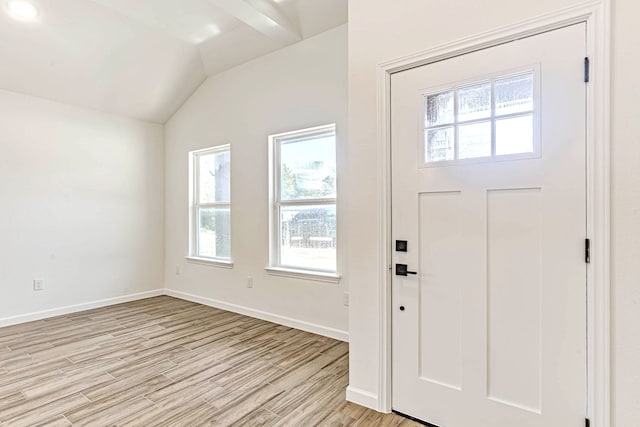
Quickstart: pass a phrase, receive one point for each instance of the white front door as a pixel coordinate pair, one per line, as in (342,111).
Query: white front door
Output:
(489,194)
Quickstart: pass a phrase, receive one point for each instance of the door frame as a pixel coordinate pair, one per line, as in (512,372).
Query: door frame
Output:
(596,15)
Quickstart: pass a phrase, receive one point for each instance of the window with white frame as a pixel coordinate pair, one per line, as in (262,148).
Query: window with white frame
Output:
(211,203)
(303,197)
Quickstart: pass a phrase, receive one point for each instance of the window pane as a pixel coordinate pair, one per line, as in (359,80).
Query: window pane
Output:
(439,144)
(214,233)
(439,109)
(474,102)
(308,237)
(515,135)
(514,94)
(308,168)
(474,140)
(215,171)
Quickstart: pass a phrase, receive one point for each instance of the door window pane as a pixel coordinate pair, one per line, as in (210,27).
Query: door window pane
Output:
(474,140)
(308,168)
(214,232)
(494,117)
(308,237)
(439,109)
(215,171)
(440,144)
(474,102)
(514,94)
(514,135)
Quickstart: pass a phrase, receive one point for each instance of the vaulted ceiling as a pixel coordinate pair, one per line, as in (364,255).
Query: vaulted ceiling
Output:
(144,58)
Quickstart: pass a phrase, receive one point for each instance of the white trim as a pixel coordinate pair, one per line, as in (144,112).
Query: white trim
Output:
(362,397)
(598,184)
(317,276)
(304,133)
(209,261)
(384,402)
(61,311)
(259,314)
(596,14)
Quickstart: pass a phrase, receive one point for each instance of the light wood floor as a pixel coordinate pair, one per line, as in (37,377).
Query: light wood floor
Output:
(168,362)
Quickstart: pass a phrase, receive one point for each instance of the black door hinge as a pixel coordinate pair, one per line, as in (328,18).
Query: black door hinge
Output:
(587,423)
(586,69)
(587,251)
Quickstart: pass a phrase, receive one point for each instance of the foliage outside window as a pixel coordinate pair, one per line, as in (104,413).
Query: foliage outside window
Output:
(303,177)
(211,207)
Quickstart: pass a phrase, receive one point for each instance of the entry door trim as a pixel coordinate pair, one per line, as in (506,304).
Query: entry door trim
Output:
(596,15)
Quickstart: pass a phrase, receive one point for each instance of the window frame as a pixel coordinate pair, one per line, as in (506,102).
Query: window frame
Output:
(534,69)
(196,206)
(276,267)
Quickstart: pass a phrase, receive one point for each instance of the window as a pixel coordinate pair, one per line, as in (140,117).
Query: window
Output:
(303,194)
(211,203)
(484,119)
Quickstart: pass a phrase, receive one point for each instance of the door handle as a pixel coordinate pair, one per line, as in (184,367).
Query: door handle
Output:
(402,270)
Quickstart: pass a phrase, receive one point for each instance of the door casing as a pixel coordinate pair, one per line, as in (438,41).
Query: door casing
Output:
(596,15)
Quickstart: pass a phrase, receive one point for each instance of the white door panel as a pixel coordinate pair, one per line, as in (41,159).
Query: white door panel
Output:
(493,327)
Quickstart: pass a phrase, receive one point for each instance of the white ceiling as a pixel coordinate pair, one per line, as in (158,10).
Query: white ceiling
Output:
(143,58)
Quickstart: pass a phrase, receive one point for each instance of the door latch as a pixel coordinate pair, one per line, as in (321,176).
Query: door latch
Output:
(402,270)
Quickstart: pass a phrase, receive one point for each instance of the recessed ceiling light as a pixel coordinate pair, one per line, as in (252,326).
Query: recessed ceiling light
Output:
(22,10)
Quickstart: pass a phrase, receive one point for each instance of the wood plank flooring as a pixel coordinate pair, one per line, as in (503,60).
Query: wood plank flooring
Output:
(168,362)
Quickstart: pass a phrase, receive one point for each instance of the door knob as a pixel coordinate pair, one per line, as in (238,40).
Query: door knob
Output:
(402,270)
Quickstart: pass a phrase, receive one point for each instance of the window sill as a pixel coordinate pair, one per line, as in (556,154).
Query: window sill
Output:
(209,261)
(304,274)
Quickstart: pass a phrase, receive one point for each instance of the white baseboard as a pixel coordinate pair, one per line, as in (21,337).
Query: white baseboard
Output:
(275,318)
(61,311)
(270,317)
(363,398)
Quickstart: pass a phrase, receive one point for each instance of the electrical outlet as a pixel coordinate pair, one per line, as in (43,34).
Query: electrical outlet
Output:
(345,299)
(38,285)
(177,270)
(249,282)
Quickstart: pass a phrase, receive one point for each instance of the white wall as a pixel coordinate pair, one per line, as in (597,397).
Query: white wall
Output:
(626,214)
(81,206)
(301,86)
(382,30)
